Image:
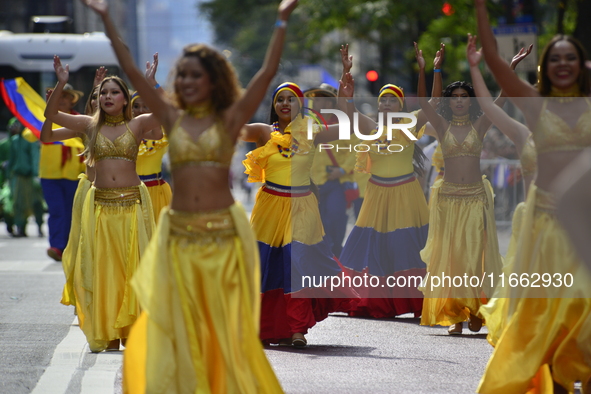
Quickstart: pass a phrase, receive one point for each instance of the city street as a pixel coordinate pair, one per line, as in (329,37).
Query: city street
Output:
(42,350)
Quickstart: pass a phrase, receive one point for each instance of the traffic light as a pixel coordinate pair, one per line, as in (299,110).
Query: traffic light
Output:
(447,9)
(373,82)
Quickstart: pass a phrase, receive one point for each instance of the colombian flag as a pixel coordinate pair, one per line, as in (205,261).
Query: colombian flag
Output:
(29,108)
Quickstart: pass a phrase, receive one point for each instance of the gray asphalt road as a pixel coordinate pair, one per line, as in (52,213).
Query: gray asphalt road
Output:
(40,346)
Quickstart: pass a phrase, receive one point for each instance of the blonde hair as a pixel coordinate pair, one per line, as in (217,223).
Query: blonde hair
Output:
(98,119)
(221,75)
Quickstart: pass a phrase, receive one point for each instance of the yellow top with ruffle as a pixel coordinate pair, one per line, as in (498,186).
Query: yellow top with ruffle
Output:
(268,164)
(149,160)
(386,163)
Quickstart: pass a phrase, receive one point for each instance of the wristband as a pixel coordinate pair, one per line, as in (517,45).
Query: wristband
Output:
(436,70)
(280,23)
(156,86)
(350,100)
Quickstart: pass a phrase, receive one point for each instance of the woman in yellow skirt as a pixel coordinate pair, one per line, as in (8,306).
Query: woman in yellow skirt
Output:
(495,312)
(392,225)
(198,282)
(116,220)
(462,240)
(84,185)
(545,344)
(287,222)
(151,152)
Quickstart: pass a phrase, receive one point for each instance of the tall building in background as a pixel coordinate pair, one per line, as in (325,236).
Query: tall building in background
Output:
(166,27)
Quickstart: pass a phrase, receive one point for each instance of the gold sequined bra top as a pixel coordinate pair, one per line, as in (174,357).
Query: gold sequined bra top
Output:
(554,134)
(124,147)
(471,146)
(213,147)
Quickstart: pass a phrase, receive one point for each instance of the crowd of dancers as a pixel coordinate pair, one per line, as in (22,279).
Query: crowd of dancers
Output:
(194,290)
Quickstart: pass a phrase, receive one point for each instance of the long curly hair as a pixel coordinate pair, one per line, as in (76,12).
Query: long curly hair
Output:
(445,110)
(221,74)
(544,84)
(98,118)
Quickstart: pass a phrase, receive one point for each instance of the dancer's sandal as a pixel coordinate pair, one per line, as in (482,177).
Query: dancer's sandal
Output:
(455,329)
(298,340)
(475,323)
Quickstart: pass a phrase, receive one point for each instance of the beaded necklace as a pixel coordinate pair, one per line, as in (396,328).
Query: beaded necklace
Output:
(200,110)
(565,96)
(113,121)
(286,152)
(460,120)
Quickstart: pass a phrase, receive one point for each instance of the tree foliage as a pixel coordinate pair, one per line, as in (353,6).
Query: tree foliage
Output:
(245,26)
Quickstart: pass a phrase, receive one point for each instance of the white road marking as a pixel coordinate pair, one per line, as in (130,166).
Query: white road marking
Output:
(100,378)
(25,265)
(68,359)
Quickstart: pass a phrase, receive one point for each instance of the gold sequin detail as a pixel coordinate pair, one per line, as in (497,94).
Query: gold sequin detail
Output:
(202,227)
(118,197)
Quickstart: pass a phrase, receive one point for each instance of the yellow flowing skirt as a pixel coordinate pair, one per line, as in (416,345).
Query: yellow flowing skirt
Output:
(116,226)
(548,335)
(462,240)
(495,312)
(160,196)
(71,251)
(198,286)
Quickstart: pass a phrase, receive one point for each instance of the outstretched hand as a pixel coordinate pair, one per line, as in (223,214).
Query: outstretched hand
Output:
(151,69)
(62,73)
(285,9)
(346,58)
(474,56)
(419,57)
(439,56)
(347,85)
(522,54)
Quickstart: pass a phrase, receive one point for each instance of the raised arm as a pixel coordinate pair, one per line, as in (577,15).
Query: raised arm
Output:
(507,80)
(164,111)
(513,129)
(434,118)
(436,90)
(150,123)
(243,109)
(346,92)
(76,123)
(366,124)
(49,135)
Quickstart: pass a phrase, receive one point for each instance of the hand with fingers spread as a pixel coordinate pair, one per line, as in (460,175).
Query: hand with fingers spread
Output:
(522,54)
(474,56)
(439,56)
(99,75)
(346,59)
